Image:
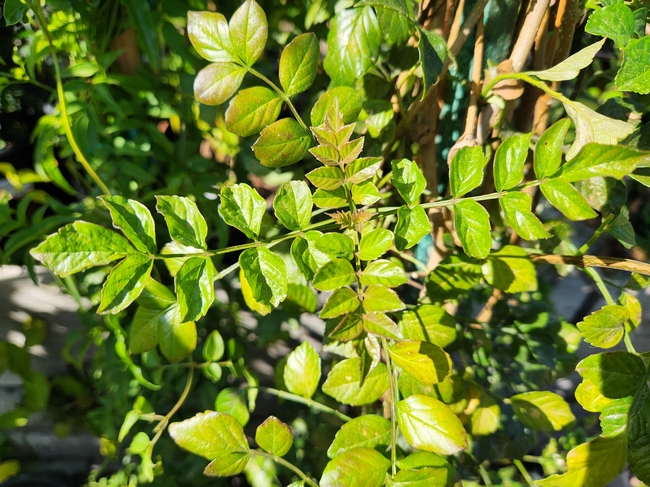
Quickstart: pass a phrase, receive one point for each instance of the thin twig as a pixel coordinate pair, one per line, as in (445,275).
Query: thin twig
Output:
(286,464)
(585,261)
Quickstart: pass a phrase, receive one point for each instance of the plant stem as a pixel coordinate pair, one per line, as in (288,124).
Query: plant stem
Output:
(411,259)
(40,18)
(284,97)
(162,425)
(286,464)
(484,475)
(603,224)
(319,406)
(394,397)
(28,80)
(628,343)
(524,473)
(600,284)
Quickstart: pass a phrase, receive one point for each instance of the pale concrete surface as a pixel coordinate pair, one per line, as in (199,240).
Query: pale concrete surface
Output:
(39,450)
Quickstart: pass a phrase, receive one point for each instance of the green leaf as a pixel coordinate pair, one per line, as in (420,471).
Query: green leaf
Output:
(243,208)
(330,199)
(217,82)
(621,229)
(215,436)
(408,180)
(9,468)
(140,443)
(365,194)
(292,205)
(466,170)
(37,391)
(342,301)
(424,361)
(633,306)
(472,222)
(382,325)
(509,161)
(615,21)
(510,270)
(251,110)
(334,274)
(432,49)
(380,298)
(640,16)
(605,327)
(396,28)
(185,223)
(638,457)
(336,245)
(633,75)
(548,150)
(213,348)
(422,459)
(350,103)
(195,287)
(144,330)
(176,339)
(135,221)
(248,32)
(429,425)
(299,64)
(302,370)
(306,255)
(232,401)
(266,275)
(603,160)
(455,275)
(210,36)
(352,42)
(486,418)
(125,283)
(362,169)
(367,431)
(614,374)
(13,12)
(174,264)
(344,328)
(325,153)
(592,464)
(398,6)
(542,410)
(247,293)
(79,246)
(350,152)
(274,436)
(343,383)
(423,477)
(518,215)
(571,66)
(359,467)
(412,225)
(282,143)
(567,199)
(328,177)
(375,243)
(591,126)
(428,323)
(383,272)
(615,415)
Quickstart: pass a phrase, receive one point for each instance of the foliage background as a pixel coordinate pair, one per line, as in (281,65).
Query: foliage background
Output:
(136,122)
